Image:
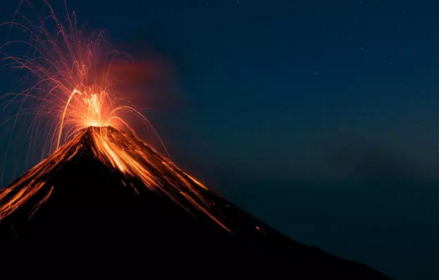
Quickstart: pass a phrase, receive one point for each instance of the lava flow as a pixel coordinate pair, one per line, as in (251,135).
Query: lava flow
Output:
(72,92)
(121,153)
(103,196)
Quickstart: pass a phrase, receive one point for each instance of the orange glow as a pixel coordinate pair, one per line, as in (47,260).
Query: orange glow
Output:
(128,155)
(72,87)
(34,180)
(121,153)
(74,92)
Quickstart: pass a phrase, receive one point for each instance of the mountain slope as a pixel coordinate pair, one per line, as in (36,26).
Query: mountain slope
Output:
(80,206)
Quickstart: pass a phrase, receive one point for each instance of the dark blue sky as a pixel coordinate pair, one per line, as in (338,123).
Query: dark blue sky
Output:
(319,117)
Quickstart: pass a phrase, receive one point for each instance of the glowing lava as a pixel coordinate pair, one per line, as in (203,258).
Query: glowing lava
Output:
(121,153)
(71,86)
(72,92)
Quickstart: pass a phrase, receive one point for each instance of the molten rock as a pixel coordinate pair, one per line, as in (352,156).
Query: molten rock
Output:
(107,196)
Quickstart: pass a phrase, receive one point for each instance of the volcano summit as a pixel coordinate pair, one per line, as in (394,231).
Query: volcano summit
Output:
(108,196)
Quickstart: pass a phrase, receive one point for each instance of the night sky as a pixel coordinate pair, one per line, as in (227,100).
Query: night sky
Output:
(318,117)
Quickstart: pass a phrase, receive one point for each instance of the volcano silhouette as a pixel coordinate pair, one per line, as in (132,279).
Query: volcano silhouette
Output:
(76,207)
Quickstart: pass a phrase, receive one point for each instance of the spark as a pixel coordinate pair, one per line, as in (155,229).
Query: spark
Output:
(74,92)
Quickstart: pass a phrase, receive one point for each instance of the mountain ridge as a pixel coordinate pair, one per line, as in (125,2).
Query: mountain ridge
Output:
(87,207)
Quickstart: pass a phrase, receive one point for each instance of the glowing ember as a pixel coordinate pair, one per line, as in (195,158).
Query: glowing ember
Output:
(122,153)
(73,89)
(73,92)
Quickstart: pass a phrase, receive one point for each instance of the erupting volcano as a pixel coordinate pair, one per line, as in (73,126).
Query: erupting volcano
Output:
(107,195)
(103,194)
(136,163)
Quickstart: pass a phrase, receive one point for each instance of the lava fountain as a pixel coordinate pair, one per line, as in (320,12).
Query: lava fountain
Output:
(74,91)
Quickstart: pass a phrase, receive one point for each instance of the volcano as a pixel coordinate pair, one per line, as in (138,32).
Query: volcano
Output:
(84,205)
